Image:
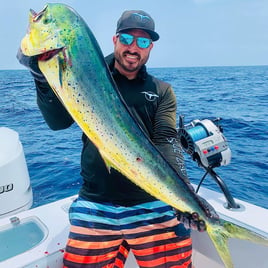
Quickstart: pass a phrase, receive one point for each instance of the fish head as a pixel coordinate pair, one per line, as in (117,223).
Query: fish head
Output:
(47,34)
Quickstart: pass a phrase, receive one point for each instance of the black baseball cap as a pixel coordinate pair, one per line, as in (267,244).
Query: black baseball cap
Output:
(137,19)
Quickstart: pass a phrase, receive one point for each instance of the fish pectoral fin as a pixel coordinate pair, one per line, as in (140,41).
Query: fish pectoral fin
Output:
(52,72)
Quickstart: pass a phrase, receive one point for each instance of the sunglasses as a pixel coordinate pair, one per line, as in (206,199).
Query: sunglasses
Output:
(128,39)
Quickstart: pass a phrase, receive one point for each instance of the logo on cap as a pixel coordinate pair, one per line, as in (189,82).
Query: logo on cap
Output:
(140,17)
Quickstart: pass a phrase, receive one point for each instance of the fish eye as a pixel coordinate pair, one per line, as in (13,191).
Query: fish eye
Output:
(47,20)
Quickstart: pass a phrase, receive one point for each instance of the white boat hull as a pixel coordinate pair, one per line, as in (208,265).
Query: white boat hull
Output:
(55,227)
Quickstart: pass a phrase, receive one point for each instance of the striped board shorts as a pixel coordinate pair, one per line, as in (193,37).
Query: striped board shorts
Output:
(102,234)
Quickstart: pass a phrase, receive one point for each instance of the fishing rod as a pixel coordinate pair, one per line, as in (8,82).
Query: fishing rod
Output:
(205,142)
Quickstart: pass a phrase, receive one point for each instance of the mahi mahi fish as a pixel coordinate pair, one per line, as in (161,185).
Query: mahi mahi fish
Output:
(73,64)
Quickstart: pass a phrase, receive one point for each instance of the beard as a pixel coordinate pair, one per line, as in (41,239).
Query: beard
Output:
(128,65)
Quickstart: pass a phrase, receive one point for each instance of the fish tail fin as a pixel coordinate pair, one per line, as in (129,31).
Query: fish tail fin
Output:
(220,237)
(220,234)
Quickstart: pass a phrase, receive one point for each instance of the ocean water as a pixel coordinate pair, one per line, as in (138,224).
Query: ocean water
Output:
(238,95)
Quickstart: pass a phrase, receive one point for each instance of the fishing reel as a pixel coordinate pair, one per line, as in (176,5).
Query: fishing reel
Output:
(205,142)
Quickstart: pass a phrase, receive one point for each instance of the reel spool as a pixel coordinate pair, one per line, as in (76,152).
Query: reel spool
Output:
(204,141)
(188,137)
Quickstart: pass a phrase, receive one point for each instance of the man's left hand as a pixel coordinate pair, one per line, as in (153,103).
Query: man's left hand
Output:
(191,220)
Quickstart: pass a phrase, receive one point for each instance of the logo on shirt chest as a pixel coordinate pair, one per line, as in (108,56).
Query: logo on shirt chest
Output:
(149,95)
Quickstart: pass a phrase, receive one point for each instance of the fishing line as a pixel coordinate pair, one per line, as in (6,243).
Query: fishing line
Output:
(197,133)
(189,136)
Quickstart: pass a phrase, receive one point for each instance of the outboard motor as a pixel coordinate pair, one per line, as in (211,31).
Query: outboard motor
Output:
(15,188)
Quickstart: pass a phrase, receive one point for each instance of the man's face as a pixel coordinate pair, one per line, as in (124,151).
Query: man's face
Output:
(130,58)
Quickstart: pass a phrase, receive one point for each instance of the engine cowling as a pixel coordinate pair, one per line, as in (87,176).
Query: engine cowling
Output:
(15,187)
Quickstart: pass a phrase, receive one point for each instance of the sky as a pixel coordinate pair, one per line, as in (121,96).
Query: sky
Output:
(192,32)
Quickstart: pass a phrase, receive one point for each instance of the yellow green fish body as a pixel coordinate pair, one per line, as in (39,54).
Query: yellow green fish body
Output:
(74,66)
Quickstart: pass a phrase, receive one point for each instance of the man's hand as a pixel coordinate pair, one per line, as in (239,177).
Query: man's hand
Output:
(191,220)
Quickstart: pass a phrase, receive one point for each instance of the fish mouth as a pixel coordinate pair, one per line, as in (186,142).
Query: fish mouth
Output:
(49,54)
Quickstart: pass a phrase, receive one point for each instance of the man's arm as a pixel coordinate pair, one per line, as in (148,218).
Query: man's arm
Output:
(165,133)
(165,139)
(54,113)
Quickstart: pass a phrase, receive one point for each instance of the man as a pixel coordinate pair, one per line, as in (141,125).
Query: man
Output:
(112,215)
